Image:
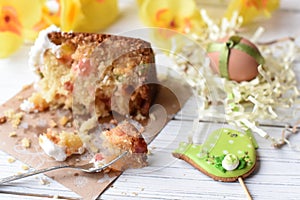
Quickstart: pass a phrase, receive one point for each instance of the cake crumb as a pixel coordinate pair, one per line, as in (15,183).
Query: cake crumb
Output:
(55,197)
(3,119)
(63,120)
(35,103)
(14,118)
(19,173)
(12,134)
(44,181)
(39,102)
(25,167)
(25,87)
(152,117)
(135,193)
(20,97)
(11,160)
(26,142)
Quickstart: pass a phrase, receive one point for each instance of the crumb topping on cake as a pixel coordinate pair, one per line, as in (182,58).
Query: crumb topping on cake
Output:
(3,119)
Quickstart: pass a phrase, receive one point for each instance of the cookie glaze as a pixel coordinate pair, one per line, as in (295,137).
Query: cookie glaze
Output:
(221,144)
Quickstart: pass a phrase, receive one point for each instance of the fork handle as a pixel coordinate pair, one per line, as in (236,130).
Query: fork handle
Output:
(30,173)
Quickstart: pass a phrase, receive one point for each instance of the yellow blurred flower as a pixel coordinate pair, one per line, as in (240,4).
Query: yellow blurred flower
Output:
(16,18)
(80,15)
(22,19)
(51,14)
(87,15)
(178,15)
(139,2)
(249,9)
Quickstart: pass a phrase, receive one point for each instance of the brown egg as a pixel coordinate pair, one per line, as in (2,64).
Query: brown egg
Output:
(240,58)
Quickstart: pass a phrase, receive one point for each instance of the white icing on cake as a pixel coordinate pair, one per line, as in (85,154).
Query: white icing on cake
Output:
(51,149)
(27,106)
(42,43)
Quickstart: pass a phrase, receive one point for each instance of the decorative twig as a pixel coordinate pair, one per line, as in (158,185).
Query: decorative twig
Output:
(245,188)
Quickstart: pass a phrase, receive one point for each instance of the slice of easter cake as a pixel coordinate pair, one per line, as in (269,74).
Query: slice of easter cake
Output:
(124,68)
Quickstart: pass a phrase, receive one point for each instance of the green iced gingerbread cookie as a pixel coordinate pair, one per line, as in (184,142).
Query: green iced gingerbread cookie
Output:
(226,155)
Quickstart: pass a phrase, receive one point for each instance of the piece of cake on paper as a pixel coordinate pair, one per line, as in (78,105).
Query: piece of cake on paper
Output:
(123,138)
(126,70)
(60,145)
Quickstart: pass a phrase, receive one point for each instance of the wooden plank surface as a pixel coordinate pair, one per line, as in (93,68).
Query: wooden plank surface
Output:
(38,185)
(277,173)
(277,177)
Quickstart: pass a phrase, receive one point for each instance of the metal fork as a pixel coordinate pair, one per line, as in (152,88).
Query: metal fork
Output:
(89,168)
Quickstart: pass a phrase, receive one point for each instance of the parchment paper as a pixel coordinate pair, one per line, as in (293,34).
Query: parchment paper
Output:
(170,98)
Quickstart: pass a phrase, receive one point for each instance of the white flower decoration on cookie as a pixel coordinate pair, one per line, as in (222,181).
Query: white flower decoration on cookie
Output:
(230,162)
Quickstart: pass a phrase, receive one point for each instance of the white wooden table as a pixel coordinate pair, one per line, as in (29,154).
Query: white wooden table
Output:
(277,177)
